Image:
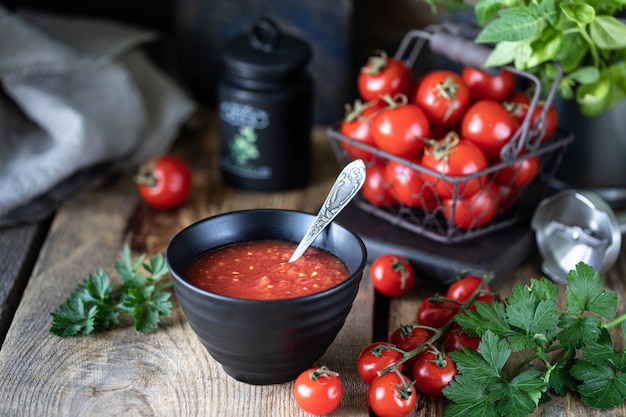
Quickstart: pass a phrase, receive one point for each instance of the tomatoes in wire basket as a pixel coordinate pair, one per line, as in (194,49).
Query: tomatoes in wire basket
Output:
(443,96)
(356,125)
(474,211)
(401,128)
(455,157)
(484,85)
(376,190)
(490,126)
(384,75)
(408,186)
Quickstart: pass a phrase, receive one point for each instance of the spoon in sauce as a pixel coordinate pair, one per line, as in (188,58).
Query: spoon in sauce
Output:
(347,184)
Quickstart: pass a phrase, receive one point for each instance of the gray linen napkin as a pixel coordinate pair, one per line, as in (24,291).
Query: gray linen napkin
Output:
(78,98)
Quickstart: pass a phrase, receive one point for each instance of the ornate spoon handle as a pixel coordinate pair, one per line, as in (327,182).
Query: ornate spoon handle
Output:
(348,183)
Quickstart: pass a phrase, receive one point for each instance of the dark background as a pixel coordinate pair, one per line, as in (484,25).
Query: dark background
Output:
(342,34)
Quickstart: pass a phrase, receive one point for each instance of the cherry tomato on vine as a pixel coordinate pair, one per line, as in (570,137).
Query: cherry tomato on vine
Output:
(457,339)
(435,312)
(392,275)
(356,125)
(391,395)
(433,371)
(443,96)
(384,75)
(489,125)
(400,129)
(164,182)
(407,337)
(376,190)
(485,86)
(376,357)
(454,157)
(318,391)
(474,211)
(463,289)
(408,186)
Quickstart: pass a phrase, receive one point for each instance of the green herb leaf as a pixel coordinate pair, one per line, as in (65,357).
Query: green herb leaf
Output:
(485,10)
(520,397)
(585,293)
(608,32)
(486,317)
(95,305)
(602,386)
(515,24)
(571,350)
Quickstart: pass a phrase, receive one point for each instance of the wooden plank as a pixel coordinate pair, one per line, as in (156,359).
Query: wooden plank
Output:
(168,372)
(19,246)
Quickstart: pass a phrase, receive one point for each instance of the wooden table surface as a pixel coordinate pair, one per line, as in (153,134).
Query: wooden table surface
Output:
(168,372)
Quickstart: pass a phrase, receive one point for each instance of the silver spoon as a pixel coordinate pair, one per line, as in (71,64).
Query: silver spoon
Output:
(347,184)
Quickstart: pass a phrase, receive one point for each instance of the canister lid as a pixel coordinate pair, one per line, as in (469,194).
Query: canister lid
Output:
(265,53)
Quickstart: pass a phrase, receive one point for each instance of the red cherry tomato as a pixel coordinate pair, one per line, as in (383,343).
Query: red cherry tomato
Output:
(391,395)
(546,127)
(392,275)
(432,372)
(454,157)
(164,182)
(376,357)
(519,173)
(356,125)
(489,125)
(474,211)
(384,75)
(485,86)
(508,196)
(517,105)
(376,190)
(318,391)
(407,338)
(465,287)
(436,312)
(443,96)
(400,129)
(457,339)
(408,186)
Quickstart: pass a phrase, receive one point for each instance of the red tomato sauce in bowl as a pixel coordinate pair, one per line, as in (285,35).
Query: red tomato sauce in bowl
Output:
(260,270)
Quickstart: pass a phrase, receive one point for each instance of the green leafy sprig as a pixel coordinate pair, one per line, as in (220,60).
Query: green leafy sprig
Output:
(96,304)
(584,37)
(570,350)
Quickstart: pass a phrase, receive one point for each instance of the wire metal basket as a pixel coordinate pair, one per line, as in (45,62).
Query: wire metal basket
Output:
(433,220)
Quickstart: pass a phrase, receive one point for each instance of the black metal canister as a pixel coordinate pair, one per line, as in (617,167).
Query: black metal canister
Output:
(265,110)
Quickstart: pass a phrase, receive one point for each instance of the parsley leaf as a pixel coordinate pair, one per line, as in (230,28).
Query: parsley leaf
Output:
(570,350)
(95,304)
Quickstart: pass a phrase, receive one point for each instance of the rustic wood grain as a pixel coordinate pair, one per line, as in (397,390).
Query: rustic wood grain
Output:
(168,372)
(19,246)
(122,372)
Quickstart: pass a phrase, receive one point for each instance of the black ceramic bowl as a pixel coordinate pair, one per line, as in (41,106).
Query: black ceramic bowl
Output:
(264,342)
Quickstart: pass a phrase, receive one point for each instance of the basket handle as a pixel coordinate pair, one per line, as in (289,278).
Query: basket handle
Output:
(462,50)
